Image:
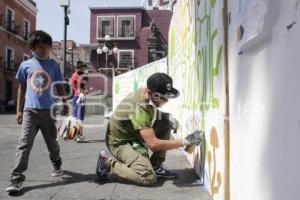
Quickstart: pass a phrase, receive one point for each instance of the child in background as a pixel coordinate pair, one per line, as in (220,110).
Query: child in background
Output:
(79,83)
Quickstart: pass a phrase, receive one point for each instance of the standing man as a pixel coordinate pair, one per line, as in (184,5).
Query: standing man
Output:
(79,83)
(36,77)
(137,125)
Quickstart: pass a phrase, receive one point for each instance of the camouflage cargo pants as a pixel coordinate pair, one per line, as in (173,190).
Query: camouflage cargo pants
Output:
(135,167)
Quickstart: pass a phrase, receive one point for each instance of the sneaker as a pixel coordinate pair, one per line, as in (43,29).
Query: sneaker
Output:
(81,139)
(164,172)
(102,170)
(57,171)
(15,186)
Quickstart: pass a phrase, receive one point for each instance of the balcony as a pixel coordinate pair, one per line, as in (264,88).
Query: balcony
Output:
(26,35)
(115,37)
(10,66)
(124,28)
(130,35)
(12,27)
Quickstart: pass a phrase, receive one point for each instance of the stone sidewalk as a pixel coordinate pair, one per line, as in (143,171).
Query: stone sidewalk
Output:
(79,162)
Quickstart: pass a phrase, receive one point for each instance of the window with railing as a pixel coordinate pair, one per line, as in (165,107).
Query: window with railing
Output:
(10,65)
(106,26)
(126,26)
(9,61)
(10,24)
(126,58)
(26,29)
(13,27)
(2,20)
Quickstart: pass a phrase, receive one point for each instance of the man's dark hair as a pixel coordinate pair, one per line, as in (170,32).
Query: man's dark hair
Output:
(39,37)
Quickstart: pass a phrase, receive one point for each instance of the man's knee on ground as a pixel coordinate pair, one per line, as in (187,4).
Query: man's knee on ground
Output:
(148,179)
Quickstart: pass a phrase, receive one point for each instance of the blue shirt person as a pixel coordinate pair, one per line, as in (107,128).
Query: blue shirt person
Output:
(38,76)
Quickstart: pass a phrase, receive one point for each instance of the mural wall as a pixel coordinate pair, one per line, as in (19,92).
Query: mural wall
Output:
(131,81)
(196,63)
(264,98)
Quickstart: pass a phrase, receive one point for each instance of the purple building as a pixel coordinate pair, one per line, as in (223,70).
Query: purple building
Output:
(140,34)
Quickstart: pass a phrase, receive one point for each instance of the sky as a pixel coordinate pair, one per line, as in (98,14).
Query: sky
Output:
(50,17)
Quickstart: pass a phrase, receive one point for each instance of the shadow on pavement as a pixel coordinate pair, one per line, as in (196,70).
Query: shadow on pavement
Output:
(96,141)
(68,178)
(186,178)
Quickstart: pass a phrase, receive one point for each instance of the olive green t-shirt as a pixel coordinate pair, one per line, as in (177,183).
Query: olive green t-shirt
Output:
(133,114)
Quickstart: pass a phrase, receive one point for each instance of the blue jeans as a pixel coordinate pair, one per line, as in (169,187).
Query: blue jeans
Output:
(78,110)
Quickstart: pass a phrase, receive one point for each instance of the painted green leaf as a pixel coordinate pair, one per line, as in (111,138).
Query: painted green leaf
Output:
(202,20)
(213,3)
(220,53)
(219,57)
(216,71)
(214,34)
(215,103)
(200,56)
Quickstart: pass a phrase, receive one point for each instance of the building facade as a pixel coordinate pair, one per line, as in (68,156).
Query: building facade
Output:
(75,53)
(140,34)
(17,21)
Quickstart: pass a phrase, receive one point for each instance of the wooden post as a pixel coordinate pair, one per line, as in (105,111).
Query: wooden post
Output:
(227,114)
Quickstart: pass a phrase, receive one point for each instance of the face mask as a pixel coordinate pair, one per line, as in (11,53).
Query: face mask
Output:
(153,103)
(37,56)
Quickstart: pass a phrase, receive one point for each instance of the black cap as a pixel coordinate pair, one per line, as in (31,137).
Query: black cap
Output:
(163,84)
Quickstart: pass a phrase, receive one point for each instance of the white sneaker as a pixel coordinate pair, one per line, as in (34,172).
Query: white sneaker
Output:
(57,172)
(15,186)
(81,139)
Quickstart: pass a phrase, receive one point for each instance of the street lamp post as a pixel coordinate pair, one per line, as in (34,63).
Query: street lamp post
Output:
(65,4)
(71,51)
(108,48)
